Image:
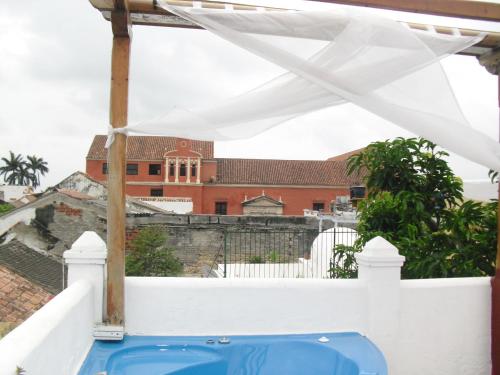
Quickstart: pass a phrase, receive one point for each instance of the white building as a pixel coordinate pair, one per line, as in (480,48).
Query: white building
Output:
(11,193)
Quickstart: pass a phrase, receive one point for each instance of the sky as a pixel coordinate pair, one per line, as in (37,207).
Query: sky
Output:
(54,88)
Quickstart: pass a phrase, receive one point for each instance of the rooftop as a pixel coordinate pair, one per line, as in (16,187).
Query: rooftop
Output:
(148,148)
(284,172)
(33,266)
(346,155)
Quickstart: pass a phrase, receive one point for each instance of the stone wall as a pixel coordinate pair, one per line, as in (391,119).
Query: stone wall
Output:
(55,221)
(65,219)
(198,240)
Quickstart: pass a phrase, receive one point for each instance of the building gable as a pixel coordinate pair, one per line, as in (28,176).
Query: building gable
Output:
(262,205)
(83,183)
(263,201)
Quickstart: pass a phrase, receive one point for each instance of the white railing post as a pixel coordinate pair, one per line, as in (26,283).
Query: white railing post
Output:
(86,260)
(380,267)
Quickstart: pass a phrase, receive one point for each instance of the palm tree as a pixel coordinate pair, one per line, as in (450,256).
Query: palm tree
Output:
(13,169)
(25,177)
(38,167)
(16,171)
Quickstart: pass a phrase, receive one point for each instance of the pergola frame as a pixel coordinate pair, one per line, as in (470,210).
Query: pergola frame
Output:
(124,13)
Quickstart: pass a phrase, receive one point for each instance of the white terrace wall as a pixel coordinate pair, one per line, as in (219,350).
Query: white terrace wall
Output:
(189,306)
(54,340)
(444,327)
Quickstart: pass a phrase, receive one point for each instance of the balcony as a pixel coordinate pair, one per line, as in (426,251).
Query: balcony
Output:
(418,324)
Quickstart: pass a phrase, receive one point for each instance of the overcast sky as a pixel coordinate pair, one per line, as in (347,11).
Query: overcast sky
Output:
(54,88)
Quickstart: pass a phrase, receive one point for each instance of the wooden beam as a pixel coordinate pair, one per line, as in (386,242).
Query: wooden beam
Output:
(149,7)
(116,181)
(471,9)
(145,12)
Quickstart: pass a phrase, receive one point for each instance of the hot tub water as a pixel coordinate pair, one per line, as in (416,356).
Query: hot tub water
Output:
(315,354)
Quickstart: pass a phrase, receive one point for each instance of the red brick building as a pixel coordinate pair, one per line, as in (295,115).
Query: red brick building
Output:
(186,169)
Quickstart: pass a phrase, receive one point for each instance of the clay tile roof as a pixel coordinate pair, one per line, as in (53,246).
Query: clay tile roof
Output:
(37,268)
(147,148)
(347,155)
(284,172)
(19,299)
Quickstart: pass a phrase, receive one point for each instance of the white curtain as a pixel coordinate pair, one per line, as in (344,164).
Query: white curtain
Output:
(333,58)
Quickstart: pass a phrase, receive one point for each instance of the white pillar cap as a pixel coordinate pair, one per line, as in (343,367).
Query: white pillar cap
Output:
(378,252)
(88,248)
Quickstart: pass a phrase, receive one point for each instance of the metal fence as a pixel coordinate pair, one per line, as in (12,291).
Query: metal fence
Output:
(290,254)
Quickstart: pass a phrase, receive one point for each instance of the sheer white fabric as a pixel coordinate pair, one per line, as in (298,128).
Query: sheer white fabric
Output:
(332,58)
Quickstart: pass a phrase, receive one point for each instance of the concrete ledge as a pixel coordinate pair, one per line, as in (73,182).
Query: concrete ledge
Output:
(158,219)
(224,220)
(230,220)
(199,219)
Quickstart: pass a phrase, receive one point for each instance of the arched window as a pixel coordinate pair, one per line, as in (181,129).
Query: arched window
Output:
(182,169)
(171,170)
(193,170)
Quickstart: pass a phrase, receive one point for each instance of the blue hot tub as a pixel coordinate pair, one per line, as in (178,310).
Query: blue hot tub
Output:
(338,354)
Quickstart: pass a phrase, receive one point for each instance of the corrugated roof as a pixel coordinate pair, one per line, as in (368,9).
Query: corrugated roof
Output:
(284,172)
(148,148)
(35,267)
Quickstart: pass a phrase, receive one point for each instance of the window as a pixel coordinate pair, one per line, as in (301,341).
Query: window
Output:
(154,169)
(318,206)
(357,192)
(133,169)
(221,208)
(104,168)
(193,170)
(171,170)
(157,192)
(182,170)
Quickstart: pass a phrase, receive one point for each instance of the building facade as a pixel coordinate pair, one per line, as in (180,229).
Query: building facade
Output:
(175,169)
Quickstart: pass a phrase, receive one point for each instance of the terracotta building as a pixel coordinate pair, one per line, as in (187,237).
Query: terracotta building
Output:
(173,169)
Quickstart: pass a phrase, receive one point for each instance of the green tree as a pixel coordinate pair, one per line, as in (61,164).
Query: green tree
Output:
(415,201)
(343,263)
(17,171)
(5,208)
(14,169)
(150,255)
(38,167)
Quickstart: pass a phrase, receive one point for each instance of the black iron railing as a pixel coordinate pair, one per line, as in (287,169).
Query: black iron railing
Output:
(291,254)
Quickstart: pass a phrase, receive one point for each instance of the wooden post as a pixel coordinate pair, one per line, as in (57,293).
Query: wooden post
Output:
(495,290)
(116,181)
(491,61)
